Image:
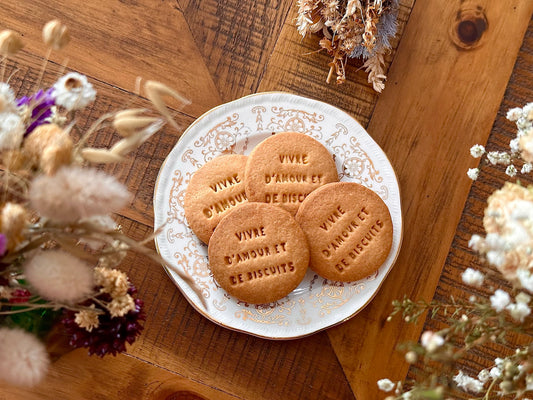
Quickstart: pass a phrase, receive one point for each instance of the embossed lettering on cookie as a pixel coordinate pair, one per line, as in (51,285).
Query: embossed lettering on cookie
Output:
(213,191)
(284,168)
(349,230)
(258,253)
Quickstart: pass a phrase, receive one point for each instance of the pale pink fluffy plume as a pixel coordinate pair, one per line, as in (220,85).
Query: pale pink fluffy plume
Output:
(74,193)
(59,276)
(24,360)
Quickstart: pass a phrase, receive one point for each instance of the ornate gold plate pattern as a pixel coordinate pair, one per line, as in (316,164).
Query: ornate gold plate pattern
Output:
(236,127)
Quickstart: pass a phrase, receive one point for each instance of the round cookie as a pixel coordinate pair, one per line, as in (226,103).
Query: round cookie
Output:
(213,191)
(349,229)
(284,168)
(258,253)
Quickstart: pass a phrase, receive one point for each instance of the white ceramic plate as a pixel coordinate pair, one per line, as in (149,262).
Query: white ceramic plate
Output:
(237,127)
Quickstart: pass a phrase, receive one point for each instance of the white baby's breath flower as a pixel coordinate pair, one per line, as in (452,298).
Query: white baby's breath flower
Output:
(11,131)
(518,311)
(431,341)
(386,385)
(499,157)
(511,170)
(499,300)
(477,150)
(527,111)
(495,372)
(58,275)
(74,193)
(514,145)
(474,242)
(495,241)
(526,279)
(514,113)
(473,173)
(496,258)
(526,168)
(24,360)
(484,375)
(472,277)
(468,383)
(73,91)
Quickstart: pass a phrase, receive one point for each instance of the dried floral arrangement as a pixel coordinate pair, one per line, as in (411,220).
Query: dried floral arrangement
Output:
(59,246)
(481,320)
(352,29)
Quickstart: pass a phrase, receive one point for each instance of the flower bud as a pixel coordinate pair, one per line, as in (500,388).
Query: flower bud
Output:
(129,122)
(55,34)
(506,387)
(411,357)
(13,218)
(10,43)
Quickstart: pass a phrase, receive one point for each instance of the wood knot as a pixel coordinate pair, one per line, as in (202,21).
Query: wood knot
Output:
(468,28)
(184,395)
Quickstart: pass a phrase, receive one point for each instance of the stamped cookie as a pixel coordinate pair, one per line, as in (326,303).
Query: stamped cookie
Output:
(258,253)
(286,167)
(349,229)
(213,191)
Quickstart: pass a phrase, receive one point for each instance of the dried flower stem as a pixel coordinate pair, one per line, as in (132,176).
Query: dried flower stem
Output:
(43,68)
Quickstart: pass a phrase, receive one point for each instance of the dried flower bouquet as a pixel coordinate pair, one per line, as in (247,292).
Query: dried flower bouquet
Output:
(59,246)
(352,29)
(507,246)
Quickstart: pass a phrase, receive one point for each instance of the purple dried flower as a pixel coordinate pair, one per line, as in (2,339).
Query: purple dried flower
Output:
(112,334)
(41,104)
(3,244)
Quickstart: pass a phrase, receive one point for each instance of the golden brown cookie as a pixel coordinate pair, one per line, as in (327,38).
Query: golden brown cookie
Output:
(284,168)
(213,191)
(258,253)
(349,230)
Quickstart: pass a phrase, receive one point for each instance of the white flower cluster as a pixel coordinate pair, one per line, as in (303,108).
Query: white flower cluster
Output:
(521,145)
(519,310)
(468,383)
(508,244)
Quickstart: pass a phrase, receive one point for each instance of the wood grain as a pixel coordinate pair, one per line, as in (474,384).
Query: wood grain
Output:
(437,87)
(439,100)
(138,380)
(491,178)
(236,38)
(117,41)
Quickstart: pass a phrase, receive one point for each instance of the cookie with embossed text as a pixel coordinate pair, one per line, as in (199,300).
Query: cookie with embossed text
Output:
(349,230)
(284,168)
(215,189)
(258,253)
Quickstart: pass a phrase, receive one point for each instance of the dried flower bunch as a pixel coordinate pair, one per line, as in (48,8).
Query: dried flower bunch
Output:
(352,29)
(507,246)
(59,246)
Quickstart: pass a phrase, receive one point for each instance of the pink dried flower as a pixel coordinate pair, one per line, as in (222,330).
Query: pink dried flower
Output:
(24,360)
(58,275)
(74,193)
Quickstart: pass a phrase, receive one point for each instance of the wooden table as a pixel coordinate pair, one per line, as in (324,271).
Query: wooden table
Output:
(442,96)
